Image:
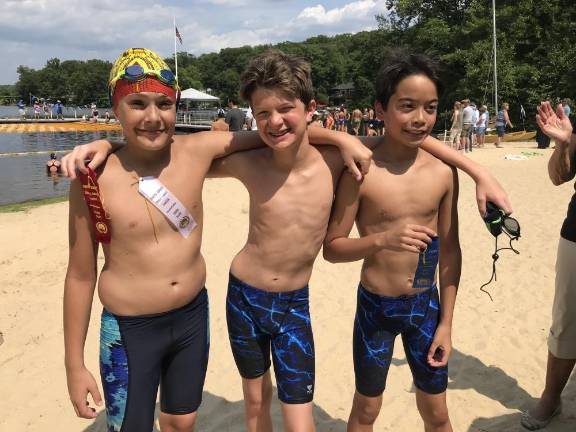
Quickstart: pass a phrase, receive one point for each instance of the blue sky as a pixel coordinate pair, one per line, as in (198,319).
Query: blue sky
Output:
(33,31)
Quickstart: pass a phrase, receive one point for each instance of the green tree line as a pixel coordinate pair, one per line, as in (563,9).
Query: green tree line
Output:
(536,56)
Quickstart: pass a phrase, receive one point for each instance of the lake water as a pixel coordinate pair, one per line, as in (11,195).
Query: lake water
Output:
(24,178)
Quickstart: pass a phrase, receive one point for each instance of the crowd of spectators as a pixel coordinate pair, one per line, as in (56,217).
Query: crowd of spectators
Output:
(360,122)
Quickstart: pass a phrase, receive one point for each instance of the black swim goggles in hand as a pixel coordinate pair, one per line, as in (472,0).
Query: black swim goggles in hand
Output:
(497,223)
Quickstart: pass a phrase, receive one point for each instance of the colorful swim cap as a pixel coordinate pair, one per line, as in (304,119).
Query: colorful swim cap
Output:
(140,70)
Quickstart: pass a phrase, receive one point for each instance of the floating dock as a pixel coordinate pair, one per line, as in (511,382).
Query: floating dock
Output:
(73,125)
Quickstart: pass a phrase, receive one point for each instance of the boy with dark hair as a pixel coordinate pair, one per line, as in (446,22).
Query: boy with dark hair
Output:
(406,213)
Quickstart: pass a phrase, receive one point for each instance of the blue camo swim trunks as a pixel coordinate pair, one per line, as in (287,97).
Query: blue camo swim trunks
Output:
(379,319)
(260,322)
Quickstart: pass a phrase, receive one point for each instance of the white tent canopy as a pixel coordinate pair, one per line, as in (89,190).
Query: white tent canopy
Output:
(197,95)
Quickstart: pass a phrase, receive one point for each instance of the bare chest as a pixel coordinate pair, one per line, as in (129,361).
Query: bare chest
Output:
(301,200)
(389,199)
(133,215)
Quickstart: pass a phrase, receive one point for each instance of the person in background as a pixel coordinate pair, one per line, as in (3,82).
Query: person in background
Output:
(106,117)
(364,124)
(250,121)
(466,115)
(341,120)
(502,120)
(220,124)
(94,112)
(329,122)
(356,122)
(53,165)
(456,128)
(36,109)
(235,117)
(472,131)
(566,107)
(481,125)
(372,125)
(59,109)
(316,120)
(46,110)
(21,109)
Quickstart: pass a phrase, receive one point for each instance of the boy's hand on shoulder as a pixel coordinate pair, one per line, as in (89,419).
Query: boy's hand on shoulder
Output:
(96,152)
(356,156)
(80,383)
(407,238)
(441,347)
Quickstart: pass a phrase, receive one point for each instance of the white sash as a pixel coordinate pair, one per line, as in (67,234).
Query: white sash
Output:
(179,217)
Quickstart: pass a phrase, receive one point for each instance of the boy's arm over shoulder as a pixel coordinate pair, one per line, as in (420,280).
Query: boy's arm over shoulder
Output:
(337,247)
(355,156)
(78,294)
(487,187)
(235,165)
(216,144)
(449,267)
(96,151)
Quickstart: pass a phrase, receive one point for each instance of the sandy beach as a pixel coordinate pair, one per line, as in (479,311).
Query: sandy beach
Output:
(496,369)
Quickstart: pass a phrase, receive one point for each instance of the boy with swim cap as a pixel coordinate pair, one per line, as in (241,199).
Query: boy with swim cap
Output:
(147,203)
(407,217)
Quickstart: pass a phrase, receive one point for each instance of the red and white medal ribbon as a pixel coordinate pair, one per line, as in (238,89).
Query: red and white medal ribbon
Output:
(100,219)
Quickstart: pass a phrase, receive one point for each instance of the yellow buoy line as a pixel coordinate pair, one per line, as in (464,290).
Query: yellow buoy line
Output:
(57,127)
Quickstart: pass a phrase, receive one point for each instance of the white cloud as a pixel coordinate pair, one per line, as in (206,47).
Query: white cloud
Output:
(357,10)
(33,31)
(355,16)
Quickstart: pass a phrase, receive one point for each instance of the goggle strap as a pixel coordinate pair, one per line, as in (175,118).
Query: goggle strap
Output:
(493,277)
(495,257)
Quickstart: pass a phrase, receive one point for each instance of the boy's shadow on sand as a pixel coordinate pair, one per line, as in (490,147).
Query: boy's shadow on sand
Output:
(217,414)
(468,372)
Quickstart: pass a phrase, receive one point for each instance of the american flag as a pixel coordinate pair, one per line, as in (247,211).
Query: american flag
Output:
(178,35)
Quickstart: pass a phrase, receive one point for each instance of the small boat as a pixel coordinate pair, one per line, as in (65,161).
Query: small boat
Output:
(512,136)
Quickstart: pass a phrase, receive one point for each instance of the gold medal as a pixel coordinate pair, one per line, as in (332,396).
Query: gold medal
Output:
(184,222)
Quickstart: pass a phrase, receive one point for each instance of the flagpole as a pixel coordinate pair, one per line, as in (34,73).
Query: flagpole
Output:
(494,49)
(175,53)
